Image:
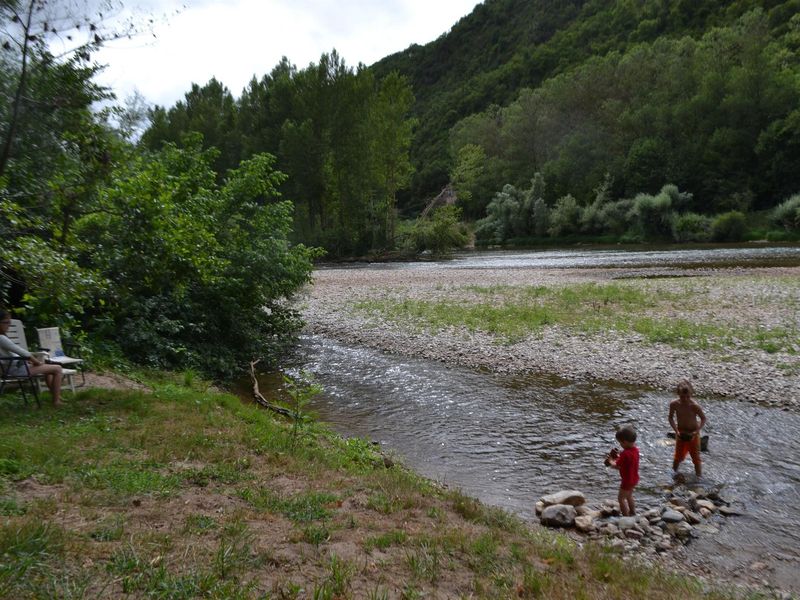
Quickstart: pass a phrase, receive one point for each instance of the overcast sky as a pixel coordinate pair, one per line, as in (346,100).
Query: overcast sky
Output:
(233,40)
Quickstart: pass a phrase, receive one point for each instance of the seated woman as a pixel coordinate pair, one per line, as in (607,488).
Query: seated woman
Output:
(52,373)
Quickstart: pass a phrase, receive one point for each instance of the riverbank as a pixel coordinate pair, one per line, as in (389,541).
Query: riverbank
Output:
(178,491)
(732,331)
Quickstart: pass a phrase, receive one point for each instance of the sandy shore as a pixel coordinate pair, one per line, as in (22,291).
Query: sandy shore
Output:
(756,298)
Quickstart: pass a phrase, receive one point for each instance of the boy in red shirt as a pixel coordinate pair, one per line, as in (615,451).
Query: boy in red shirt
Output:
(627,463)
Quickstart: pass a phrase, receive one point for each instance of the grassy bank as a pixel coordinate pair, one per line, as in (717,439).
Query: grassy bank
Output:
(683,314)
(185,493)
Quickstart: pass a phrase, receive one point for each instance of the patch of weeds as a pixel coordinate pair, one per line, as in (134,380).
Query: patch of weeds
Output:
(26,549)
(9,467)
(384,503)
(65,585)
(129,479)
(424,563)
(233,552)
(110,530)
(225,472)
(9,507)
(410,592)
(472,510)
(337,582)
(199,524)
(434,512)
(535,583)
(483,552)
(556,550)
(302,508)
(316,534)
(382,542)
(378,594)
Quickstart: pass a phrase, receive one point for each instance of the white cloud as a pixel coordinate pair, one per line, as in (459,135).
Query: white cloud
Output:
(237,39)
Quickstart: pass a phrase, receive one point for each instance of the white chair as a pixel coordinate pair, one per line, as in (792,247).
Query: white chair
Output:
(50,342)
(16,333)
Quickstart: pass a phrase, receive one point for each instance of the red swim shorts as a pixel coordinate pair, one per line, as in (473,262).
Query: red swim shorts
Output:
(690,447)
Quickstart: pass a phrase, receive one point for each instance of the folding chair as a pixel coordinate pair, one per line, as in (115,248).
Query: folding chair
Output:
(19,376)
(16,333)
(50,342)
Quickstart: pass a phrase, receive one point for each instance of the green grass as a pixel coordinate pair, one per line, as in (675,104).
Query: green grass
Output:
(659,315)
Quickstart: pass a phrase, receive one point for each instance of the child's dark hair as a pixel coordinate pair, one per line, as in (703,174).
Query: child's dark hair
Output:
(684,386)
(626,434)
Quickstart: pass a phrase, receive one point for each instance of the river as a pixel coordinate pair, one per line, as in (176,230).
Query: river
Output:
(508,440)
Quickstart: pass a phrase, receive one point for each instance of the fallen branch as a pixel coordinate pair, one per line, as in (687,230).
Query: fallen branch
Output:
(258,397)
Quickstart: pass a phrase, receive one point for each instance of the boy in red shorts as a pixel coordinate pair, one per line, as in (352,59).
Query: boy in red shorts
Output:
(627,463)
(687,419)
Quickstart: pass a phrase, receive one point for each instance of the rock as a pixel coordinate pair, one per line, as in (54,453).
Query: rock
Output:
(558,515)
(585,511)
(707,504)
(538,507)
(706,528)
(680,530)
(671,516)
(584,523)
(626,523)
(570,497)
(729,511)
(633,534)
(758,566)
(663,546)
(705,512)
(692,517)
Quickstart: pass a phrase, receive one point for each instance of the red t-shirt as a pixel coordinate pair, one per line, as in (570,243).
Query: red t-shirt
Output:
(628,463)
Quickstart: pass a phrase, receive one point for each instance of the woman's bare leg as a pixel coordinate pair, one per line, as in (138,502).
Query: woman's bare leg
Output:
(52,377)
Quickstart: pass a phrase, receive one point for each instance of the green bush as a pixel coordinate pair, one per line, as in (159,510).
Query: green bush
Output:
(565,216)
(691,227)
(729,227)
(787,214)
(438,234)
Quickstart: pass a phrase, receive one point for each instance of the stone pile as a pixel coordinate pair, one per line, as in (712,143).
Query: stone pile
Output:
(685,514)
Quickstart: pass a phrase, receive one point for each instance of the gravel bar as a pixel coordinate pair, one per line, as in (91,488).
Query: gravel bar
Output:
(756,297)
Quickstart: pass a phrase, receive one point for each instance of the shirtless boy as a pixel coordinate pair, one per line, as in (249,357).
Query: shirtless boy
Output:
(687,419)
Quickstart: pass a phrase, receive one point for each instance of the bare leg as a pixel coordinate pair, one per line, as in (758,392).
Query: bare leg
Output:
(52,377)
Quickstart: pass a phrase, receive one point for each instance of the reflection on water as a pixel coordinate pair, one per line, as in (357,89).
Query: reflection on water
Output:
(510,440)
(699,257)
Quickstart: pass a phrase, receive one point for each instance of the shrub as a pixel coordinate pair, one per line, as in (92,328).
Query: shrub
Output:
(565,216)
(615,216)
(787,214)
(439,234)
(653,215)
(729,227)
(691,227)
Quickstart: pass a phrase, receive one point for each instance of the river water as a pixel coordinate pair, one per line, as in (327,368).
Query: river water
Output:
(508,440)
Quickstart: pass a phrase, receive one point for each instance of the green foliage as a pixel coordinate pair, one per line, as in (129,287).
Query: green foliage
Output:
(729,227)
(691,227)
(341,135)
(199,271)
(438,234)
(787,214)
(565,216)
(714,111)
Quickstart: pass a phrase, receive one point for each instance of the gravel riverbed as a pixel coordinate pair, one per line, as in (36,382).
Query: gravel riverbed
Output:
(756,298)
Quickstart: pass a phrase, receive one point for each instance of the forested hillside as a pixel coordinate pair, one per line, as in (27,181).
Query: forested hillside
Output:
(624,120)
(505,46)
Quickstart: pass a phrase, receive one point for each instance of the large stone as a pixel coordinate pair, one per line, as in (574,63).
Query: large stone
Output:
(728,511)
(558,515)
(584,523)
(571,497)
(625,523)
(633,534)
(692,517)
(707,504)
(671,516)
(538,507)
